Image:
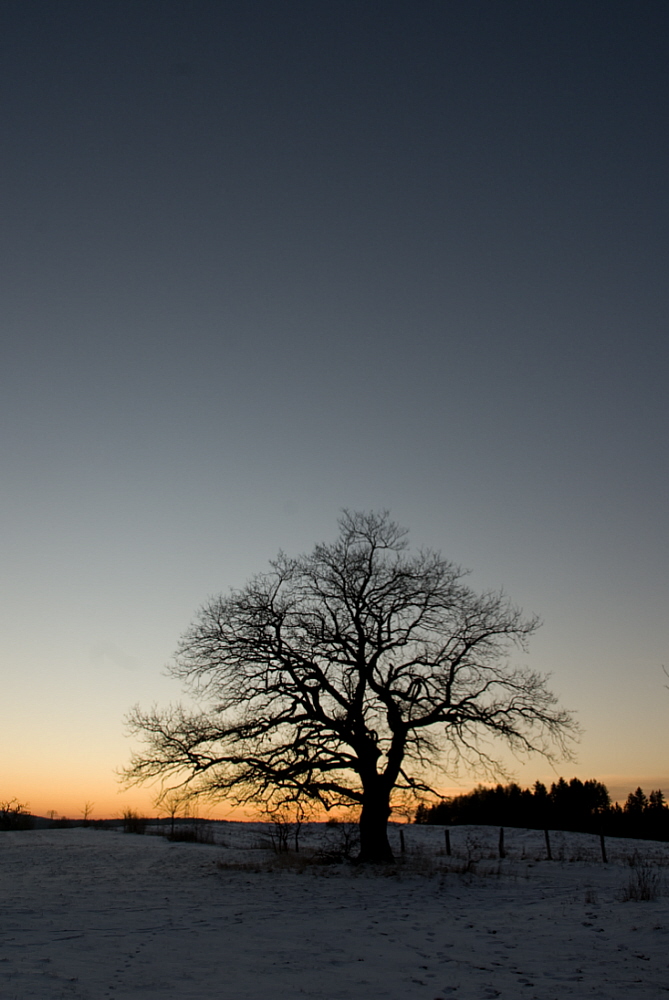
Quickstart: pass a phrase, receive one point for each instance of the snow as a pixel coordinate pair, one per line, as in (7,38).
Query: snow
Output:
(92,914)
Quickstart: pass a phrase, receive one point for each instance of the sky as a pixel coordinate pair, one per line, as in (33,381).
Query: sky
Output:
(263,261)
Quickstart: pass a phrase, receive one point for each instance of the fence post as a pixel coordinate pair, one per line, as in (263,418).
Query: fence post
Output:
(402,844)
(548,845)
(603,847)
(447,838)
(502,852)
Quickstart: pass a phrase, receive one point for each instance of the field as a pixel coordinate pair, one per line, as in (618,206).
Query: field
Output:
(88,914)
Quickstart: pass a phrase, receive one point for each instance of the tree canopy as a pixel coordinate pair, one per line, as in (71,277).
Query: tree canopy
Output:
(347,677)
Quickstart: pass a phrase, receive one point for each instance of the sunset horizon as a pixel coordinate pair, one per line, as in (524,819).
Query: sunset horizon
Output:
(266,262)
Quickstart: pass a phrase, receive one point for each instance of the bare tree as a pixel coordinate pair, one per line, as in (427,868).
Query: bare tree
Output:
(87,811)
(346,677)
(172,802)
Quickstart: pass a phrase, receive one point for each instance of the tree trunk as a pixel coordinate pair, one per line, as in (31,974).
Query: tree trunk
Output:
(374,844)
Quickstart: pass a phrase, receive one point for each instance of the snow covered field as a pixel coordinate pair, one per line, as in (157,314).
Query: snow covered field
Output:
(90,914)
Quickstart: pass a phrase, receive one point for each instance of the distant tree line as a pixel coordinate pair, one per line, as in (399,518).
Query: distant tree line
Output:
(580,806)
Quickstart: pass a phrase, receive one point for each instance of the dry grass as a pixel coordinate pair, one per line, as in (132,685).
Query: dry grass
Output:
(644,883)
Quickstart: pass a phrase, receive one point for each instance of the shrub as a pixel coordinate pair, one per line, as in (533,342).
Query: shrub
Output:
(644,884)
(133,822)
(198,833)
(15,816)
(343,842)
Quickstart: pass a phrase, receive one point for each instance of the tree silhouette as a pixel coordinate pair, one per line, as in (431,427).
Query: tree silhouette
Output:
(344,676)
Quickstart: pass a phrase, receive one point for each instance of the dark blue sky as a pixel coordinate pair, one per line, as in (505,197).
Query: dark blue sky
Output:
(262,261)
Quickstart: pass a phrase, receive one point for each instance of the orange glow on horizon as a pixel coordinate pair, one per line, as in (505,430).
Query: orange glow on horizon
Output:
(73,799)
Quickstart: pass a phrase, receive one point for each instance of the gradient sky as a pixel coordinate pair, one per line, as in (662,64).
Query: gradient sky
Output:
(265,260)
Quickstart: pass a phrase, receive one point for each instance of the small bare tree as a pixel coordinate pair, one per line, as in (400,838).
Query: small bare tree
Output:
(343,677)
(87,811)
(173,802)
